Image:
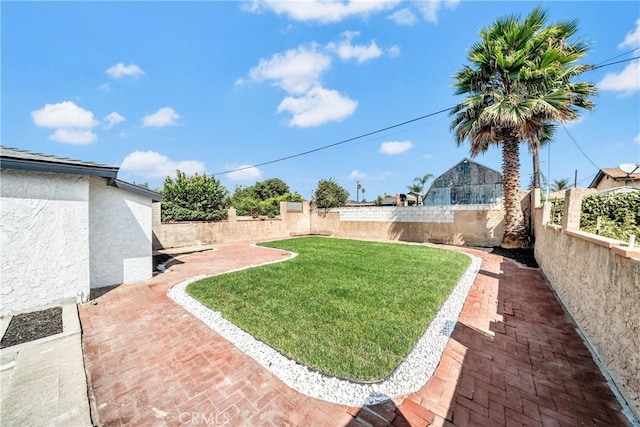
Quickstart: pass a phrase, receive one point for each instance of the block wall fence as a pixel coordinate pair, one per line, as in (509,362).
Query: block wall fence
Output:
(474,225)
(598,281)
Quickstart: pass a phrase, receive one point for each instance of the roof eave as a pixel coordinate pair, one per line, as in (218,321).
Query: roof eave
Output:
(30,165)
(132,188)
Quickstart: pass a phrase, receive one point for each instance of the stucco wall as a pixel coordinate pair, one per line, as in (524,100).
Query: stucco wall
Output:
(598,281)
(45,238)
(475,225)
(120,235)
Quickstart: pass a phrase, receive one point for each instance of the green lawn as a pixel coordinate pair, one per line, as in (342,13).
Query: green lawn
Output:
(345,307)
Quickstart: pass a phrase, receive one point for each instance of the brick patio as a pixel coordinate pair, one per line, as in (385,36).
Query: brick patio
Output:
(514,358)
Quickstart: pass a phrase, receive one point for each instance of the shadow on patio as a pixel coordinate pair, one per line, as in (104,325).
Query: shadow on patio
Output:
(514,358)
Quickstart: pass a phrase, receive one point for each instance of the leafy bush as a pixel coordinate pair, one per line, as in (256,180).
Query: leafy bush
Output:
(196,198)
(248,207)
(269,208)
(329,194)
(557,211)
(270,188)
(619,215)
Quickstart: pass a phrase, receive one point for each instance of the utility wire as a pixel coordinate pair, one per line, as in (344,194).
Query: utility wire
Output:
(613,63)
(344,141)
(618,56)
(579,148)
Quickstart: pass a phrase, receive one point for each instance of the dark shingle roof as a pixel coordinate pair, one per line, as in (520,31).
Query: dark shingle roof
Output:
(15,158)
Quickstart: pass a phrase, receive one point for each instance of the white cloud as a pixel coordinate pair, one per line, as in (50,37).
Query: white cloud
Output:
(63,115)
(317,106)
(322,11)
(150,164)
(427,156)
(166,116)
(73,136)
(637,139)
(298,72)
(295,71)
(430,8)
(345,50)
(105,87)
(120,70)
(393,51)
(627,81)
(356,174)
(243,173)
(395,147)
(72,123)
(633,37)
(112,119)
(403,17)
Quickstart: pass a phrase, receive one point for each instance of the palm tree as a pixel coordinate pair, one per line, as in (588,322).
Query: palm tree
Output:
(517,87)
(414,188)
(560,184)
(419,183)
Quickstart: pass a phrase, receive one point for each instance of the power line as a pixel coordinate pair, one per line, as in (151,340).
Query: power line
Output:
(618,56)
(613,63)
(344,141)
(579,148)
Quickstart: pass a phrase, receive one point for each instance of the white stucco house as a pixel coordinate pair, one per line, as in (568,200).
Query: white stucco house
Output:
(68,226)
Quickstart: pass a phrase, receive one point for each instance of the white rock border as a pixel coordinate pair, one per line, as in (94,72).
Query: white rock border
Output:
(410,376)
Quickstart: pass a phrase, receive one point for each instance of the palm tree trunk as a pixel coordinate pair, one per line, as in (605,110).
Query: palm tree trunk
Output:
(515,231)
(536,167)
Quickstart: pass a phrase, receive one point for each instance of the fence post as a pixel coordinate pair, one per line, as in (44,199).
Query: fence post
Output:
(572,208)
(156,213)
(232,215)
(546,212)
(536,202)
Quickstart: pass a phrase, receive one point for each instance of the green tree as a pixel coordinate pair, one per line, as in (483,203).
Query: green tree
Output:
(329,194)
(241,192)
(517,87)
(560,184)
(419,183)
(272,187)
(196,198)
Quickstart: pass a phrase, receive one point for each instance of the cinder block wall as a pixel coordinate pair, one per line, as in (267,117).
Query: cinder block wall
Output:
(475,225)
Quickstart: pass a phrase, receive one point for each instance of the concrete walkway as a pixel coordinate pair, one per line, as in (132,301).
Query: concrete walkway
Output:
(514,359)
(43,382)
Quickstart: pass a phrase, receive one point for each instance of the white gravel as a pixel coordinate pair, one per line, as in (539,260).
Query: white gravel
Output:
(410,376)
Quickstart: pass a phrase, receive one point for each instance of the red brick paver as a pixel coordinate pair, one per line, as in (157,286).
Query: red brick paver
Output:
(514,359)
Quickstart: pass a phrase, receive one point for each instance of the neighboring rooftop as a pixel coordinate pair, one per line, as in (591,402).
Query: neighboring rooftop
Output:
(615,174)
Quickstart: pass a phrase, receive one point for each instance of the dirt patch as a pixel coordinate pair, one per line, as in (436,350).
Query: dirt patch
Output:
(27,327)
(523,256)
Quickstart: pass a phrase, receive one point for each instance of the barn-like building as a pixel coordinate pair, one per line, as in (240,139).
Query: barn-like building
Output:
(466,183)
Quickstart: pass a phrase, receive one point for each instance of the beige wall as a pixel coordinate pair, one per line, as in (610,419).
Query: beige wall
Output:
(472,228)
(598,281)
(194,233)
(456,225)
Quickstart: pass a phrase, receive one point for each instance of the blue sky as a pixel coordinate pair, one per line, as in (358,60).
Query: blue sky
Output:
(215,86)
